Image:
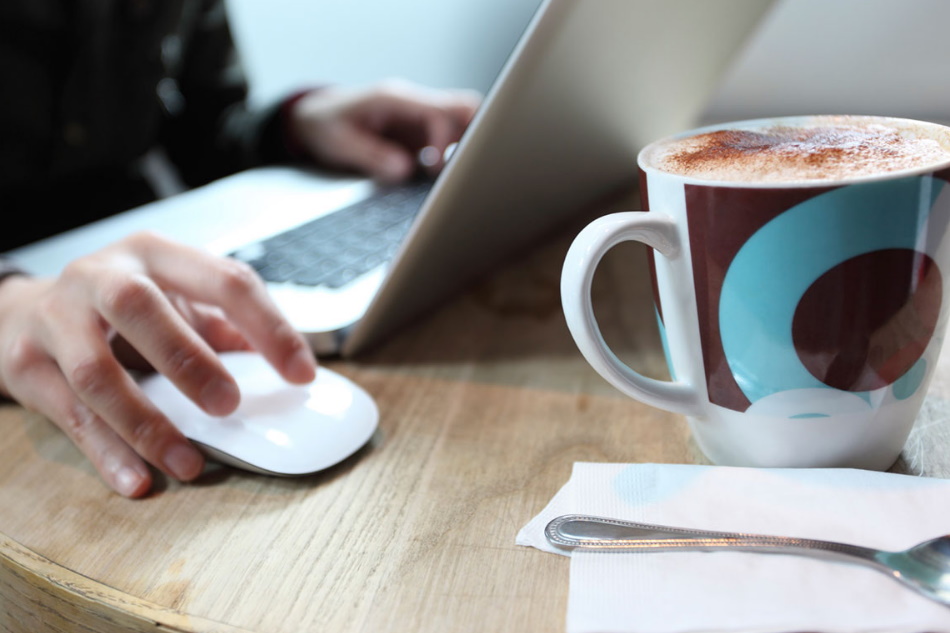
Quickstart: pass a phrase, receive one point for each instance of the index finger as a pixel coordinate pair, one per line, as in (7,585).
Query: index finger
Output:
(462,106)
(234,287)
(447,119)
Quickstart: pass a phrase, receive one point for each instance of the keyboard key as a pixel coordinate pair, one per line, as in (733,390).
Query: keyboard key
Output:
(335,249)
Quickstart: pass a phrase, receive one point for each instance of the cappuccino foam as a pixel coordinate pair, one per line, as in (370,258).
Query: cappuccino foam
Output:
(816,148)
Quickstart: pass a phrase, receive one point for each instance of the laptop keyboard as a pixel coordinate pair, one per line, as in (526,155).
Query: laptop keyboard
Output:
(336,248)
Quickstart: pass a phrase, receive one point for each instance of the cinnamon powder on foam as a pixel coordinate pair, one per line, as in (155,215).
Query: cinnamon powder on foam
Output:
(784,153)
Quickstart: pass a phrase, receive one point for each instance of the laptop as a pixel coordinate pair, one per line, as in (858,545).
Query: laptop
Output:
(589,83)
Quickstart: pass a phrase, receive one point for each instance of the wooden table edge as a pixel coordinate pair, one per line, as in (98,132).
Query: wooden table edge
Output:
(32,584)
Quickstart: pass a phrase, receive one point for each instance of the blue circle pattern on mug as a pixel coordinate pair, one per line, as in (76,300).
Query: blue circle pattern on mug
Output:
(775,268)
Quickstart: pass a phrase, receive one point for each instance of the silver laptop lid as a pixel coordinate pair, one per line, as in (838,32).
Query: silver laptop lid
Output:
(589,84)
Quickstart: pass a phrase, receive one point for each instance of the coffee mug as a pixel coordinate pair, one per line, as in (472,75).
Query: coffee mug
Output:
(800,269)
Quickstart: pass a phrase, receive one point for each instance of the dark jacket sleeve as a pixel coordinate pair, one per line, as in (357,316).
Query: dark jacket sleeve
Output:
(210,130)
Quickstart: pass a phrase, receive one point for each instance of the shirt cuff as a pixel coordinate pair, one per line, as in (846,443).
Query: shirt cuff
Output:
(294,147)
(9,269)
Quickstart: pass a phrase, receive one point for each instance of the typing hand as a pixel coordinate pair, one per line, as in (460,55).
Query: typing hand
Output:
(62,342)
(381,130)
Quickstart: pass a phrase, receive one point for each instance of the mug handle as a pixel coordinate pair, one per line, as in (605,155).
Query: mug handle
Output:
(590,245)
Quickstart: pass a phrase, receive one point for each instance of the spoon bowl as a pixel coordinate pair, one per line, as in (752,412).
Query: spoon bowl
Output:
(924,568)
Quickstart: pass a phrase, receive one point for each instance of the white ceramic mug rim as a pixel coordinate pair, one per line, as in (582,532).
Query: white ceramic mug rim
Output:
(793,184)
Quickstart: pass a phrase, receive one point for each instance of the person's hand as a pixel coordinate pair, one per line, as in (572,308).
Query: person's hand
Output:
(174,306)
(381,130)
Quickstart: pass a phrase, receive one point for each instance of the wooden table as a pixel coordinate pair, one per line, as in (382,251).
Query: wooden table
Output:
(485,405)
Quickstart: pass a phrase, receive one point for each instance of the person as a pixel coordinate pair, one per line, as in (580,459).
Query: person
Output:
(94,86)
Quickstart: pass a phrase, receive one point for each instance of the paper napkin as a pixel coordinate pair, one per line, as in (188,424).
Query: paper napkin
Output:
(748,592)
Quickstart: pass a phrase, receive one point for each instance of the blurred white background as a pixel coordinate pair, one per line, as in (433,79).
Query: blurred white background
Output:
(441,43)
(888,57)
(857,56)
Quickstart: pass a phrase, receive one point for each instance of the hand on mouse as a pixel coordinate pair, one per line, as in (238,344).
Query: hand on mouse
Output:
(380,130)
(64,344)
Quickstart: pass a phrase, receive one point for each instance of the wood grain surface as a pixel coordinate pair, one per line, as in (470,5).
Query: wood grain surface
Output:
(485,405)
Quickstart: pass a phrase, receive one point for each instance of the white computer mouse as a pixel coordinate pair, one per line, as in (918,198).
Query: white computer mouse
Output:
(279,428)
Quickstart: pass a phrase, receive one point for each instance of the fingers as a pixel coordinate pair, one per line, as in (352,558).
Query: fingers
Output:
(209,322)
(381,131)
(212,325)
(40,386)
(422,123)
(241,295)
(128,290)
(99,382)
(172,305)
(462,105)
(142,314)
(384,160)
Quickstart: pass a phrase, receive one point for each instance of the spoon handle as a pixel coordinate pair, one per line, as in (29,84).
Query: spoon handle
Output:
(601,534)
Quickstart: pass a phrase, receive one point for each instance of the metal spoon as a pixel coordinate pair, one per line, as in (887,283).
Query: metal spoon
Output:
(924,567)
